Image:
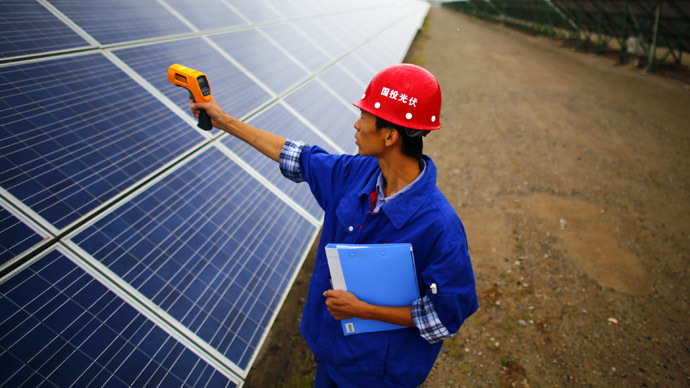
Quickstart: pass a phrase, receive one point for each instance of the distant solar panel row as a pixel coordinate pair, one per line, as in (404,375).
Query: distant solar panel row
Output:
(176,246)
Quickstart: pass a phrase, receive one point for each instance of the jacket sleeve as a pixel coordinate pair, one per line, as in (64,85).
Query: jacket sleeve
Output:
(456,296)
(326,174)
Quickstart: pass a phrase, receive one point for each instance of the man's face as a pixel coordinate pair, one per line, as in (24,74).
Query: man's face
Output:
(370,141)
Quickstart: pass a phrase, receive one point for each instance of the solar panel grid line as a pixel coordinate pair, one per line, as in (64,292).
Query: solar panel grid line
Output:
(266,183)
(178,16)
(31,219)
(316,74)
(289,90)
(173,235)
(200,32)
(39,57)
(366,64)
(123,21)
(143,41)
(133,191)
(236,11)
(333,46)
(74,26)
(153,90)
(17,240)
(184,243)
(192,186)
(283,50)
(43,230)
(28,29)
(53,308)
(283,297)
(255,287)
(57,335)
(354,76)
(348,104)
(100,170)
(155,178)
(250,25)
(151,311)
(282,95)
(97,46)
(34,220)
(312,127)
(263,58)
(269,4)
(207,15)
(291,9)
(311,40)
(44,56)
(65,79)
(151,61)
(81,139)
(239,66)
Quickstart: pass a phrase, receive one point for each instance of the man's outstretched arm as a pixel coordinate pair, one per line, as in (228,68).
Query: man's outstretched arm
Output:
(267,143)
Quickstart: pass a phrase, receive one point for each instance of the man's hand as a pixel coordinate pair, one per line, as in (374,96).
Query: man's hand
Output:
(345,305)
(212,108)
(342,304)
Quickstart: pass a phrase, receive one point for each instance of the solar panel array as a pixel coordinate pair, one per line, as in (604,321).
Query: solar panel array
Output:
(136,249)
(655,23)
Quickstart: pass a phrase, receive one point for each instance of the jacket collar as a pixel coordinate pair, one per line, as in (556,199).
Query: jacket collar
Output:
(400,210)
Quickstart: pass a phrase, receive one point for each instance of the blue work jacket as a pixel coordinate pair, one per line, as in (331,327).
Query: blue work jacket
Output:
(342,185)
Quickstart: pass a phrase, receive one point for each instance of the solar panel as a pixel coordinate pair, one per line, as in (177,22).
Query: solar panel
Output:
(322,37)
(77,131)
(241,95)
(280,120)
(136,249)
(186,244)
(15,236)
(331,115)
(359,69)
(342,81)
(125,20)
(207,14)
(263,58)
(298,44)
(29,28)
(256,11)
(61,327)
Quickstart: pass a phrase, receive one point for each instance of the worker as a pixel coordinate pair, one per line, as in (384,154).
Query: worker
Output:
(385,194)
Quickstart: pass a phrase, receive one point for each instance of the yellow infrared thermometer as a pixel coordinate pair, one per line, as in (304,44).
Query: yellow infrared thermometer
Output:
(197,85)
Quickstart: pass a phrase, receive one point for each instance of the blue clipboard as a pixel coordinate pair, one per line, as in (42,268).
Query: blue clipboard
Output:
(379,274)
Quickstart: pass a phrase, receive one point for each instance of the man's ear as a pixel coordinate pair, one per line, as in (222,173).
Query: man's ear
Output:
(392,136)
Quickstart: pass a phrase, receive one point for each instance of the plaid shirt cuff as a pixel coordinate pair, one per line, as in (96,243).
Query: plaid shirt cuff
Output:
(289,160)
(426,319)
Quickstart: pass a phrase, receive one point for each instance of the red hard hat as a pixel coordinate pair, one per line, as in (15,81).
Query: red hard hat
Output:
(406,95)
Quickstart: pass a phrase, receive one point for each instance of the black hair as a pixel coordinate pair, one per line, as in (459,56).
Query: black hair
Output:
(412,143)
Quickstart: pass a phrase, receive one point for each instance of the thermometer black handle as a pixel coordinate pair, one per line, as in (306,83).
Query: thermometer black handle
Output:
(204,121)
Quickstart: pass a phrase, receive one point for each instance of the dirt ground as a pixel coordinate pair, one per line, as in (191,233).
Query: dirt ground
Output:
(571,175)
